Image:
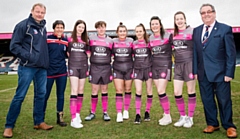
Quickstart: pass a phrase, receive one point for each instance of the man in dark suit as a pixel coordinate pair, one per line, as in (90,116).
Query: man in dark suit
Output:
(214,67)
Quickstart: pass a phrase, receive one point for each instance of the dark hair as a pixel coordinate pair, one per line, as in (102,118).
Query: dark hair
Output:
(207,4)
(58,22)
(162,31)
(100,24)
(145,32)
(176,30)
(121,26)
(84,36)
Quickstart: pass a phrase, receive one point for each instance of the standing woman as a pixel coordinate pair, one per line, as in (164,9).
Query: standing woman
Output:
(142,71)
(78,69)
(183,69)
(122,71)
(160,43)
(57,71)
(100,70)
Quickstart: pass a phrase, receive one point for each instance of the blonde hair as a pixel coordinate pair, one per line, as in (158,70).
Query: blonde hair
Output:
(40,5)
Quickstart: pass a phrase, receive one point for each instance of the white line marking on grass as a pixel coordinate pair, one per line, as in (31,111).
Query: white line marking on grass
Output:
(235,81)
(10,89)
(7,89)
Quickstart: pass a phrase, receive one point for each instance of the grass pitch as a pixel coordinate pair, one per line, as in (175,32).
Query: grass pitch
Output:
(99,129)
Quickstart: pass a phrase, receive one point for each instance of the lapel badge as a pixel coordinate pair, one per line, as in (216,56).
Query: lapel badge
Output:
(215,28)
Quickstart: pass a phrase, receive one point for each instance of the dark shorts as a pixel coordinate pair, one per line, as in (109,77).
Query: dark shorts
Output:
(80,73)
(100,74)
(162,72)
(124,75)
(183,71)
(142,74)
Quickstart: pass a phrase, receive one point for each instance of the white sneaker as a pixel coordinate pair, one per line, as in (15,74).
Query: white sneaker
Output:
(125,115)
(106,117)
(181,121)
(79,118)
(189,122)
(119,118)
(165,120)
(75,123)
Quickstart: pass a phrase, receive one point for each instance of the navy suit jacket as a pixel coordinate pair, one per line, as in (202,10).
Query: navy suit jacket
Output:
(218,58)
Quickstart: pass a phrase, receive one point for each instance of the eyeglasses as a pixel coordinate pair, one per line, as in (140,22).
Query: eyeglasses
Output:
(208,12)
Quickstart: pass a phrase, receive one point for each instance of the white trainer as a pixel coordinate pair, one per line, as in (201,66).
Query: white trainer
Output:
(189,122)
(181,121)
(75,123)
(79,118)
(119,117)
(125,115)
(166,120)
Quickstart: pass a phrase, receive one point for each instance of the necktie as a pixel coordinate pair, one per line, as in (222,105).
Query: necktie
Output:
(205,36)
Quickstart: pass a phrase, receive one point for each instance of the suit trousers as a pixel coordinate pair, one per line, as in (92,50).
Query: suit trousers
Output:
(222,92)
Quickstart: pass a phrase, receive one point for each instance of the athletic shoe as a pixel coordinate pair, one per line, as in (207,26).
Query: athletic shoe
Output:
(138,119)
(189,122)
(146,116)
(90,117)
(119,117)
(181,121)
(165,120)
(125,115)
(106,117)
(75,123)
(79,118)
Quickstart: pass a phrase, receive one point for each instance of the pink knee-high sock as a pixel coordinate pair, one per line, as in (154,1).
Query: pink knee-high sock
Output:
(164,102)
(94,102)
(105,102)
(149,103)
(73,106)
(127,100)
(191,104)
(119,102)
(138,104)
(180,105)
(79,102)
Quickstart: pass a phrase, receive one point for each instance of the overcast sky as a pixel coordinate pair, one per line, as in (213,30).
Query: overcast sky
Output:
(130,12)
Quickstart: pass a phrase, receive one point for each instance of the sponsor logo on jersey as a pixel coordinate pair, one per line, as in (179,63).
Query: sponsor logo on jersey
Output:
(77,50)
(77,45)
(122,50)
(141,51)
(179,44)
(121,54)
(157,50)
(100,49)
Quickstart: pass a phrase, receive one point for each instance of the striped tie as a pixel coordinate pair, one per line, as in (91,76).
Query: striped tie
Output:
(205,36)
